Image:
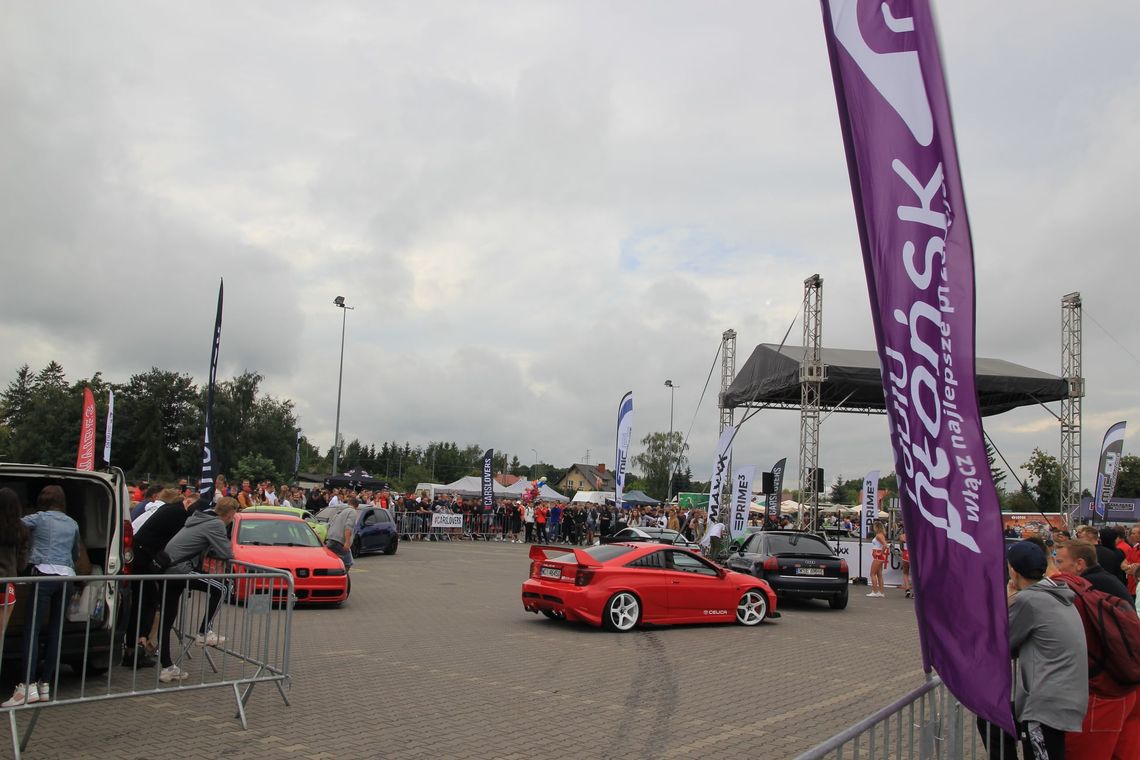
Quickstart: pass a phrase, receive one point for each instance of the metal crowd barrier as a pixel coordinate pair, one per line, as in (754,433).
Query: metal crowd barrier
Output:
(929,723)
(227,630)
(417,526)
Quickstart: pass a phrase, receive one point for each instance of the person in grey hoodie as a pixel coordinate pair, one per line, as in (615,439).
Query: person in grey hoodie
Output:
(205,530)
(1047,640)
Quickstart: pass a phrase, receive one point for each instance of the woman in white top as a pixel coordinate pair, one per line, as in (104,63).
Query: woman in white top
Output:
(880,553)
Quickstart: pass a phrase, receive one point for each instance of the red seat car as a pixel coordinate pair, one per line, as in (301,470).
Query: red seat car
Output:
(288,543)
(621,586)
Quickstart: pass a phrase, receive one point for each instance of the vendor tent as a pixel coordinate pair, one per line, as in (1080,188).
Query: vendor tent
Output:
(639,498)
(771,377)
(357,479)
(472,485)
(519,487)
(593,497)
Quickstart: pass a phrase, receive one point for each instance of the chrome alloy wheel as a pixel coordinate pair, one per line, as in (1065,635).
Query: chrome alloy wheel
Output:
(751,608)
(622,611)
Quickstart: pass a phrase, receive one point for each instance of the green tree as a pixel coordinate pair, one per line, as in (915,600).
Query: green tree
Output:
(997,473)
(664,454)
(256,468)
(158,419)
(1046,480)
(1128,478)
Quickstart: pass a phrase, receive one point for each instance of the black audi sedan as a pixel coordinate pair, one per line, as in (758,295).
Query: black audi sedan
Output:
(795,564)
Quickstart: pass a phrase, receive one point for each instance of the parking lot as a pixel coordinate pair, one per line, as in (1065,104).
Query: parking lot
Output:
(434,657)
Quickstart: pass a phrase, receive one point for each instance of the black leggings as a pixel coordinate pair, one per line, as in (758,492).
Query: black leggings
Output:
(171,598)
(1050,743)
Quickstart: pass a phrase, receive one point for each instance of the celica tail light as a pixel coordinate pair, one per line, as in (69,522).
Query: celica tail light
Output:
(583,576)
(533,569)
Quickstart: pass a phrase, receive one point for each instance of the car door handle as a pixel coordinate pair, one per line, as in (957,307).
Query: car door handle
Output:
(676,583)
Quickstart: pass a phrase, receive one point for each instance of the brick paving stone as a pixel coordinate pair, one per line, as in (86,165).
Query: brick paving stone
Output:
(434,657)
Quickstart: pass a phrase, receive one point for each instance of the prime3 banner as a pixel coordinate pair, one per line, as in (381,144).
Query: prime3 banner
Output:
(918,256)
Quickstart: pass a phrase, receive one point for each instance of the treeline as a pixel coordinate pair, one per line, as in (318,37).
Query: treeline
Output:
(158,425)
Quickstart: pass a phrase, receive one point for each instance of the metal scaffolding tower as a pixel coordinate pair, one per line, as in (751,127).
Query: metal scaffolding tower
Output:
(812,374)
(727,375)
(1071,351)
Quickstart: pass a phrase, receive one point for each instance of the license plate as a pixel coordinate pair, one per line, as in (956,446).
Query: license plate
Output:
(809,571)
(551,572)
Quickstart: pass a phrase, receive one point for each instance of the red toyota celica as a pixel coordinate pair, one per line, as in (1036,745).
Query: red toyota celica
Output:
(620,586)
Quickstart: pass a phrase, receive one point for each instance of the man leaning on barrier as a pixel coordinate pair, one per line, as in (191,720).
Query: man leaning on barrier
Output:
(204,531)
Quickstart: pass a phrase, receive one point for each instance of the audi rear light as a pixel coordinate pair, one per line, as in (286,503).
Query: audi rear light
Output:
(771,564)
(842,565)
(128,546)
(583,576)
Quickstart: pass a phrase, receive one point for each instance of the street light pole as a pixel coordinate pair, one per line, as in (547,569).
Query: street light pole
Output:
(672,389)
(339,302)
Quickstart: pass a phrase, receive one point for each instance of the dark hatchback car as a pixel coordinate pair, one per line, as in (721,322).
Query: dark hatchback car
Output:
(375,530)
(657,535)
(795,564)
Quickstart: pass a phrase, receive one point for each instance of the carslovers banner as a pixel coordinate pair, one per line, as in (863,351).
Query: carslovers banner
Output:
(209,463)
(488,483)
(86,458)
(870,508)
(719,471)
(624,434)
(773,501)
(911,214)
(1110,451)
(741,499)
(110,426)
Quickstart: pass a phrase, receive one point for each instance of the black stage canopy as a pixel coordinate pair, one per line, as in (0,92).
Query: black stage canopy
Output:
(771,377)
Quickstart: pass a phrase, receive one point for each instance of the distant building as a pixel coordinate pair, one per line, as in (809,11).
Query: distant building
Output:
(506,479)
(585,477)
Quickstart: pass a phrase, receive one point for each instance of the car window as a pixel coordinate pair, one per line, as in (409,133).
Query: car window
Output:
(798,543)
(370,517)
(754,542)
(687,563)
(382,516)
(653,560)
(275,533)
(626,535)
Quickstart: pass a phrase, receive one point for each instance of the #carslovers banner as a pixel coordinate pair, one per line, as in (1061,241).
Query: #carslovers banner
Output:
(911,212)
(209,462)
(624,434)
(719,471)
(487,482)
(109,427)
(773,501)
(1110,451)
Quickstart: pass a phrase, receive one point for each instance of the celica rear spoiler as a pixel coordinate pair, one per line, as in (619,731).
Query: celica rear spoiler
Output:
(539,554)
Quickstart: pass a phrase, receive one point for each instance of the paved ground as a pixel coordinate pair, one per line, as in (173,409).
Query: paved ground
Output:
(434,657)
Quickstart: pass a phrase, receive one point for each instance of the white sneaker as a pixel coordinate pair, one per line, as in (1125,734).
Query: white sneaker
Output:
(872,594)
(173,673)
(45,691)
(25,694)
(211,639)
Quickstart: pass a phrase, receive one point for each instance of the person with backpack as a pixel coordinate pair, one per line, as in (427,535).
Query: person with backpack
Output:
(1111,727)
(1079,558)
(1047,641)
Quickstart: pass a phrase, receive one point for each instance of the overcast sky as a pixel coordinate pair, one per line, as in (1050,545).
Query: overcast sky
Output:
(535,207)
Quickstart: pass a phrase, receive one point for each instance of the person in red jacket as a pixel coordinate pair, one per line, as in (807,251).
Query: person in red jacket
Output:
(540,520)
(1131,549)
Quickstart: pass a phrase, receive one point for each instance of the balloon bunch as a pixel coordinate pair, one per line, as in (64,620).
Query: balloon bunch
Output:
(534,490)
